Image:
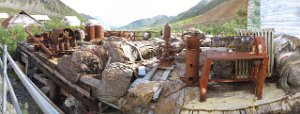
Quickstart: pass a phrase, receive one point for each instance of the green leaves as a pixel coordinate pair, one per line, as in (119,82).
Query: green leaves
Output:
(11,36)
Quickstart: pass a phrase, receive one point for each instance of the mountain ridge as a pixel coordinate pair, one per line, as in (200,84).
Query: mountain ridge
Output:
(149,22)
(54,8)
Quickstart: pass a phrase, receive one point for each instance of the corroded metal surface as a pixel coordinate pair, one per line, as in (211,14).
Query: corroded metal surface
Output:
(258,67)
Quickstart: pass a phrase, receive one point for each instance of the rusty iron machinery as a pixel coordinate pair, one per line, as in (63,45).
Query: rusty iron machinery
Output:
(232,41)
(38,43)
(99,32)
(79,35)
(53,43)
(168,53)
(192,53)
(90,31)
(62,39)
(250,57)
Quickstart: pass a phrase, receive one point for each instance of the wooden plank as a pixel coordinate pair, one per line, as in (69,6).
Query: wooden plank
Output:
(216,112)
(184,112)
(40,79)
(285,107)
(264,109)
(92,104)
(202,112)
(151,72)
(195,112)
(76,91)
(243,111)
(232,112)
(250,110)
(276,107)
(166,74)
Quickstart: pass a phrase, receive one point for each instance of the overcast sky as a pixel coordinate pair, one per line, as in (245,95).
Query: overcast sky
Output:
(122,12)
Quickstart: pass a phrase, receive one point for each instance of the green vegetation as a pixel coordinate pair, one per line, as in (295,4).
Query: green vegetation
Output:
(200,8)
(52,8)
(228,28)
(11,36)
(10,11)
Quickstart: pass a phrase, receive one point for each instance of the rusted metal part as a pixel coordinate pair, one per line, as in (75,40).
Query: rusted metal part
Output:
(130,35)
(38,42)
(167,33)
(257,72)
(168,53)
(99,32)
(56,42)
(192,53)
(56,36)
(232,41)
(90,31)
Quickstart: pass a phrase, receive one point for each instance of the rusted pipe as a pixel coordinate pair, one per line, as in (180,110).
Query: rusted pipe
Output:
(192,53)
(90,30)
(167,33)
(99,32)
(40,45)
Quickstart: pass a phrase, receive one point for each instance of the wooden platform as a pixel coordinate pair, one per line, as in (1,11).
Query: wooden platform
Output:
(231,98)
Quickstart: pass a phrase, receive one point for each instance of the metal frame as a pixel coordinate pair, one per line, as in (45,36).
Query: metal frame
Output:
(42,101)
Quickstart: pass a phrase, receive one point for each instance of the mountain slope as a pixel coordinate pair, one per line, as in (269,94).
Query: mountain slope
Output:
(88,16)
(49,7)
(200,8)
(148,22)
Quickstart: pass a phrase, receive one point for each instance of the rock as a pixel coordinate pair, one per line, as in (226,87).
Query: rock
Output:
(68,69)
(116,79)
(84,60)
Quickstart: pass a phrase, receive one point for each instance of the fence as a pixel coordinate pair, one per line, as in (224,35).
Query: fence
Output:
(46,106)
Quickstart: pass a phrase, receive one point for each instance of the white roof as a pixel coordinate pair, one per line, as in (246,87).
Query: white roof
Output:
(71,19)
(41,17)
(4,15)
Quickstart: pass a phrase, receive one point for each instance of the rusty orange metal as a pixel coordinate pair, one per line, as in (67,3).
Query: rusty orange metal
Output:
(90,30)
(192,60)
(257,74)
(168,54)
(99,32)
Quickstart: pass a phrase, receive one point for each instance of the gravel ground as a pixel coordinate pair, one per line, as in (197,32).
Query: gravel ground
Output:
(27,104)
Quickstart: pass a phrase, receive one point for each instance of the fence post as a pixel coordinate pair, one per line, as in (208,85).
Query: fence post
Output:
(4,72)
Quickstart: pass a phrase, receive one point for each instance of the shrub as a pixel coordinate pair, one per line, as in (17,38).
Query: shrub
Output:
(11,37)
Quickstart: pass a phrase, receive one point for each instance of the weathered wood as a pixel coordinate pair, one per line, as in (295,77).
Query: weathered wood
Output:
(40,79)
(276,107)
(102,107)
(264,109)
(215,112)
(48,69)
(195,112)
(54,92)
(151,72)
(167,73)
(285,107)
(202,112)
(232,112)
(92,105)
(184,112)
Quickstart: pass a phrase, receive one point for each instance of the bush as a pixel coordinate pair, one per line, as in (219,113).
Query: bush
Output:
(11,37)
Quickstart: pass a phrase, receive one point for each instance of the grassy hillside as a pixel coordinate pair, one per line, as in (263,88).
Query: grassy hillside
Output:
(226,17)
(148,22)
(54,8)
(200,8)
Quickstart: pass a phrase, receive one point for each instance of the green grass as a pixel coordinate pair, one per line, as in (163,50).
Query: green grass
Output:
(10,11)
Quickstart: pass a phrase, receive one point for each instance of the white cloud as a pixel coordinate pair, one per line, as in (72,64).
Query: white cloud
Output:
(122,12)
